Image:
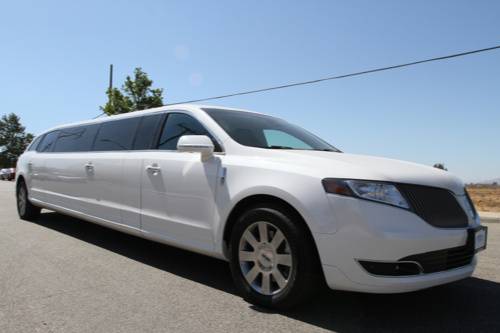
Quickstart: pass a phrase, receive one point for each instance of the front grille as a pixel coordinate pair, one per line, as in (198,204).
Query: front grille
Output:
(436,206)
(442,260)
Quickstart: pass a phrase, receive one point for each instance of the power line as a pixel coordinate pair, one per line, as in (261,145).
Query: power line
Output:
(369,71)
(340,76)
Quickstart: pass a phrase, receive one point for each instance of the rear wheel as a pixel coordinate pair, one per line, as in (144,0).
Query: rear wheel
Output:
(273,260)
(25,209)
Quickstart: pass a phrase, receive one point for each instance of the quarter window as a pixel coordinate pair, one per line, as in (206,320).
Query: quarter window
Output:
(35,143)
(116,135)
(177,125)
(47,143)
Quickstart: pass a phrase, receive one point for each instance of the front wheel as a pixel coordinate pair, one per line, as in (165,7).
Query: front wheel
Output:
(25,209)
(273,259)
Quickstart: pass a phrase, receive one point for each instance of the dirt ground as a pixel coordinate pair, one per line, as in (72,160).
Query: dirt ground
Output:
(485,198)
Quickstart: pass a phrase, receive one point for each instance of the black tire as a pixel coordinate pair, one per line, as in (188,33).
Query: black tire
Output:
(26,211)
(304,274)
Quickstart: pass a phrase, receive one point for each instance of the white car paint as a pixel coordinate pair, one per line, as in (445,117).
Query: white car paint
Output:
(178,198)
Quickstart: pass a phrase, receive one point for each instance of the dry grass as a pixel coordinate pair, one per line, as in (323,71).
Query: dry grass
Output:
(486,198)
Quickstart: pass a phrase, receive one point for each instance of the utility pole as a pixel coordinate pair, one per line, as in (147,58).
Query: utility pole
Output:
(111,84)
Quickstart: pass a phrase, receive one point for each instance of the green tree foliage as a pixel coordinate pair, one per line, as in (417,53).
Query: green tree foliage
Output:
(136,94)
(13,140)
(440,166)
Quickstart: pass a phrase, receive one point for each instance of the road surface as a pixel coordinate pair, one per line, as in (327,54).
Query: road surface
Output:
(61,274)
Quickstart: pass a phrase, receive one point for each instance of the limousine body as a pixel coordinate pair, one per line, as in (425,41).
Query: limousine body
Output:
(286,209)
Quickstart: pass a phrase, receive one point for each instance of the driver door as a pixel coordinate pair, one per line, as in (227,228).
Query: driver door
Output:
(178,188)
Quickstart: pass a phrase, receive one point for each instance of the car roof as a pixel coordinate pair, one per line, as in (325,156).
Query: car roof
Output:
(173,107)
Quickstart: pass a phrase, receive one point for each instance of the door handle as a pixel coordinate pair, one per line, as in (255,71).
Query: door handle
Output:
(89,166)
(153,168)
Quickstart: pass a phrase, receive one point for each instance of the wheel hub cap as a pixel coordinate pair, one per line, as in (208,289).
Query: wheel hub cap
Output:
(265,258)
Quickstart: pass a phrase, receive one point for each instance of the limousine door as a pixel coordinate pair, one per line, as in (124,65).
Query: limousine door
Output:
(35,168)
(105,171)
(178,189)
(38,175)
(67,179)
(178,198)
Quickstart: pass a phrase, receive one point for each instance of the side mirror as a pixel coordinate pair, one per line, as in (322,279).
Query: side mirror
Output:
(196,144)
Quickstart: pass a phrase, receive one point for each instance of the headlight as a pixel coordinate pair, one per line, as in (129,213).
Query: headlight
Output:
(369,190)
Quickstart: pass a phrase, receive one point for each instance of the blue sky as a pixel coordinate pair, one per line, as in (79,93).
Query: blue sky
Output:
(54,58)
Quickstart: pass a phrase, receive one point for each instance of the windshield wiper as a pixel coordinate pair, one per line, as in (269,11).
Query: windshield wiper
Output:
(279,147)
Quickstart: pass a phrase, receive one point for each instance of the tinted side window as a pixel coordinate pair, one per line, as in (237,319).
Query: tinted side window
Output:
(147,132)
(177,125)
(35,143)
(76,139)
(116,135)
(48,141)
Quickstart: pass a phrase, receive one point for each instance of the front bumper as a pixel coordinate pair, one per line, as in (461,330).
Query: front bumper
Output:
(336,279)
(376,232)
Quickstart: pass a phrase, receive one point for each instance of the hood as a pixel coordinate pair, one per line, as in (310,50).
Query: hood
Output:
(351,166)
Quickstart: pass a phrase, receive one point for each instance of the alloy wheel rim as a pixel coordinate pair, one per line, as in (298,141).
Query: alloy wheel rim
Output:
(21,201)
(265,258)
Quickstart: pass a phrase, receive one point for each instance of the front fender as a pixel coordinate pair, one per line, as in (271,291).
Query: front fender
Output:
(304,193)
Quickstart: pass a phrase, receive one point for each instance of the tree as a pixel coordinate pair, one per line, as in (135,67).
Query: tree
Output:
(13,140)
(136,94)
(440,166)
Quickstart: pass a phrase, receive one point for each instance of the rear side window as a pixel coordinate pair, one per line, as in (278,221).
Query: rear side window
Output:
(35,143)
(146,133)
(48,141)
(76,139)
(116,135)
(177,125)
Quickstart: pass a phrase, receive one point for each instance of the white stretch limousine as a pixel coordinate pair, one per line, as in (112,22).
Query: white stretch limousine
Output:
(286,209)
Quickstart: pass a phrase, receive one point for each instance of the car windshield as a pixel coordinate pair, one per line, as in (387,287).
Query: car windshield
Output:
(261,131)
